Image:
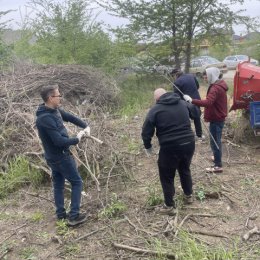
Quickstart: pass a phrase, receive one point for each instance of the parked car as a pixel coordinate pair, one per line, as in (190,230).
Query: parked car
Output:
(162,69)
(199,65)
(232,61)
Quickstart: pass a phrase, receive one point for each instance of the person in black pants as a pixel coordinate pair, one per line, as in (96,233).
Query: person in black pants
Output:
(170,117)
(188,85)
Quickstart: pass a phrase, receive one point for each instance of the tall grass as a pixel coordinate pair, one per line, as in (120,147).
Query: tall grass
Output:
(189,248)
(137,92)
(18,174)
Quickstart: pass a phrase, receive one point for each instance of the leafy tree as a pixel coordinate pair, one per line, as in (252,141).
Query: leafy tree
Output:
(180,22)
(67,33)
(250,46)
(5,50)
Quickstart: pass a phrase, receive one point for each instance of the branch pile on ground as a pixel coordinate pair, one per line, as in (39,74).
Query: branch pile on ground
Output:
(87,92)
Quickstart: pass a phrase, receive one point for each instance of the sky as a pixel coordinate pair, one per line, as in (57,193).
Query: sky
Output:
(20,10)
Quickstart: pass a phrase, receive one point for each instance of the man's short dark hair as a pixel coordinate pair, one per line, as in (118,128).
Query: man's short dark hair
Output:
(176,72)
(47,91)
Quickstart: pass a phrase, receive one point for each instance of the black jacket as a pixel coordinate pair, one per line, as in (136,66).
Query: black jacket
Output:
(52,132)
(188,85)
(170,116)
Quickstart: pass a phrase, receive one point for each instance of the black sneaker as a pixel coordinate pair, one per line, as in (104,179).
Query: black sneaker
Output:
(82,217)
(62,216)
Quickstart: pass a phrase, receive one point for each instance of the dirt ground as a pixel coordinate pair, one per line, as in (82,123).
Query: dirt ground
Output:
(226,208)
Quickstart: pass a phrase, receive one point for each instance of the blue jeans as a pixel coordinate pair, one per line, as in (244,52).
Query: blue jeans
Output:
(215,129)
(61,170)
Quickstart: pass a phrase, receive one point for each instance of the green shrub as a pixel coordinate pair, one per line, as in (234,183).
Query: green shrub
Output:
(18,174)
(114,209)
(137,93)
(190,249)
(154,196)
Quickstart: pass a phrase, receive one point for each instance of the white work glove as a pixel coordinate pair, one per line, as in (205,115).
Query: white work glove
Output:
(149,152)
(81,134)
(87,131)
(187,98)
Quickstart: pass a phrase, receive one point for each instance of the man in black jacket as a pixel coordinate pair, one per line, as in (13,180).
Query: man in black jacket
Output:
(56,143)
(188,85)
(170,117)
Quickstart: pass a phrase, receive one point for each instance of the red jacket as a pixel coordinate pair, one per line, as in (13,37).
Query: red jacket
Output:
(215,103)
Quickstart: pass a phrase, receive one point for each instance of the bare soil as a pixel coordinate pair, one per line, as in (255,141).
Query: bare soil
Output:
(225,209)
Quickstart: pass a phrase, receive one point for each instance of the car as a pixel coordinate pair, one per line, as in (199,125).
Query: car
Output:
(198,65)
(162,69)
(232,61)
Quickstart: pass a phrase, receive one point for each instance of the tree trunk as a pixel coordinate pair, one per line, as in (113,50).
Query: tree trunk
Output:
(189,39)
(175,46)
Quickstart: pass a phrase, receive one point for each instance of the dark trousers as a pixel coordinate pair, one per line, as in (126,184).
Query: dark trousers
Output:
(172,159)
(197,124)
(215,129)
(61,170)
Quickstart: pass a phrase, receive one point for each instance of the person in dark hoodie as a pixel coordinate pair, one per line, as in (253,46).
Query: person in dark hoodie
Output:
(56,143)
(215,113)
(189,85)
(170,117)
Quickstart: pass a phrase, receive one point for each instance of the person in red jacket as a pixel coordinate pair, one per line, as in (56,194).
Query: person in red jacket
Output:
(215,113)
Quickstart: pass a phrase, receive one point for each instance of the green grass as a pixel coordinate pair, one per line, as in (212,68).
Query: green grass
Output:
(137,93)
(154,196)
(28,253)
(114,209)
(18,174)
(188,248)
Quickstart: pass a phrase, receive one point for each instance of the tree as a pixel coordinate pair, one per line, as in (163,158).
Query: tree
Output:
(67,33)
(180,22)
(5,50)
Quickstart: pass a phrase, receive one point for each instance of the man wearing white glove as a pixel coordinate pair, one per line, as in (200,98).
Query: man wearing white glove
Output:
(189,85)
(56,143)
(80,134)
(187,98)
(87,131)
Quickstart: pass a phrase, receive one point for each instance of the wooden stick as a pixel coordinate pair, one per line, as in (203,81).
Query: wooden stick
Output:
(144,251)
(7,250)
(230,143)
(39,196)
(193,215)
(89,234)
(207,233)
(95,139)
(251,232)
(12,233)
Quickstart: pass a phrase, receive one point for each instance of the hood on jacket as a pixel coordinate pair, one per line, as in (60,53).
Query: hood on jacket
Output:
(42,109)
(169,98)
(221,83)
(212,74)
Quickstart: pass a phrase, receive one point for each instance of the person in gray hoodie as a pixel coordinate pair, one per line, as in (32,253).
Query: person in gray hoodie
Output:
(56,143)
(215,112)
(170,117)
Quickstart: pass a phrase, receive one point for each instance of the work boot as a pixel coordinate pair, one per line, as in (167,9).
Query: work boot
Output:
(166,210)
(188,199)
(82,217)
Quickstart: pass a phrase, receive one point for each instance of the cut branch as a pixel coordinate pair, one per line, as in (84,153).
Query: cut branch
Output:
(144,251)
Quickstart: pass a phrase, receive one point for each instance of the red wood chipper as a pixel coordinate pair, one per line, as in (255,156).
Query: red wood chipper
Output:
(247,92)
